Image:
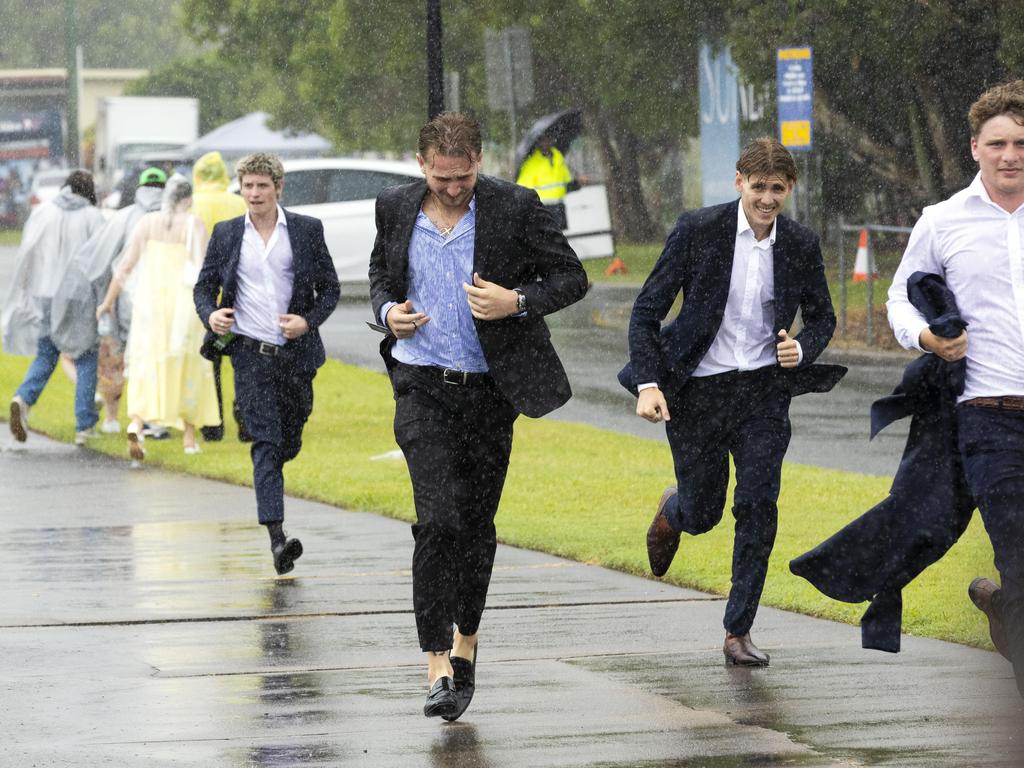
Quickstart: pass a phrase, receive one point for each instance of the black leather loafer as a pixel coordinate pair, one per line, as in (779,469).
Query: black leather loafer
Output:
(441,701)
(285,555)
(465,682)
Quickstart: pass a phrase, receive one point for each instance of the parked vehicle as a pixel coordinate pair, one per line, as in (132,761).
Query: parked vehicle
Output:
(132,129)
(45,185)
(341,192)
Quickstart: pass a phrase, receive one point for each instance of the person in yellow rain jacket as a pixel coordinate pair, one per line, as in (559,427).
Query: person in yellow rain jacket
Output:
(546,171)
(212,203)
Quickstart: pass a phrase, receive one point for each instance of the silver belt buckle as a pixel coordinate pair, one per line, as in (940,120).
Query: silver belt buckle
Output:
(268,349)
(451,376)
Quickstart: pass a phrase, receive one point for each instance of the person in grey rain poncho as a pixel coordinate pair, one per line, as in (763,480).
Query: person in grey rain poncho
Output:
(53,233)
(74,328)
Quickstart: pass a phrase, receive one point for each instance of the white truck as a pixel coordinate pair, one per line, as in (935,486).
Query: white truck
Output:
(133,130)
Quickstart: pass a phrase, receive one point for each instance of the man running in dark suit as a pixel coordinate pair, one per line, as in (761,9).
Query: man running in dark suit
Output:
(722,373)
(463,271)
(276,285)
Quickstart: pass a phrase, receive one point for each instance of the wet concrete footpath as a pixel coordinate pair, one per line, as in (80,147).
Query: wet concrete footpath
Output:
(142,624)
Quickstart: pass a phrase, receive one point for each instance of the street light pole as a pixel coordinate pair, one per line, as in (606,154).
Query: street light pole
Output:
(435,65)
(71,66)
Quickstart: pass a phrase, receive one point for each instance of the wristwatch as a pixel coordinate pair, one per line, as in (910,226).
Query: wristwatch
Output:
(520,300)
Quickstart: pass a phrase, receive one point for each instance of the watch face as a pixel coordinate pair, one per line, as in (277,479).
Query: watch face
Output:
(521,302)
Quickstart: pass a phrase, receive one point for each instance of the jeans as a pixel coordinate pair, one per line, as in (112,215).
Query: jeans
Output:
(47,357)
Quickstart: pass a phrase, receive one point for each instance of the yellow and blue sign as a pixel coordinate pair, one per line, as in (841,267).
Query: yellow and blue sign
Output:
(795,84)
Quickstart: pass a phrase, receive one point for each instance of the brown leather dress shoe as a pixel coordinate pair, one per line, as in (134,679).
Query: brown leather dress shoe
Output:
(741,651)
(982,591)
(662,538)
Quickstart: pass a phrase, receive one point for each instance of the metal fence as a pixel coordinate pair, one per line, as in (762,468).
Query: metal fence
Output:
(842,228)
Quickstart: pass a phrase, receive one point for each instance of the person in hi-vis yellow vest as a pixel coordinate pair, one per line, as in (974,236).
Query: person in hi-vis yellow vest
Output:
(546,171)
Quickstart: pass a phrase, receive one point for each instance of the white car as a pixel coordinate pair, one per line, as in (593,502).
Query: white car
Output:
(46,184)
(341,192)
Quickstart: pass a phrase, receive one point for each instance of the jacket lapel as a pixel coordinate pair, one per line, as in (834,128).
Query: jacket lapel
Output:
(485,218)
(404,221)
(780,270)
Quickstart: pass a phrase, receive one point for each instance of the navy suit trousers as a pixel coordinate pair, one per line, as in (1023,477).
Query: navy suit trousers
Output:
(992,446)
(275,399)
(746,414)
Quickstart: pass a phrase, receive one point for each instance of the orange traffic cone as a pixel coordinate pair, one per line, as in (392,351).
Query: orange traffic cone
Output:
(860,265)
(617,267)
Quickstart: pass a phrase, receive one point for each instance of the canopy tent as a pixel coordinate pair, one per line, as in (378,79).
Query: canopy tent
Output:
(251,134)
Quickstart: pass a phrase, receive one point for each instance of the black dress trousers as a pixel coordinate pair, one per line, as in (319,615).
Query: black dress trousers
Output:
(456,436)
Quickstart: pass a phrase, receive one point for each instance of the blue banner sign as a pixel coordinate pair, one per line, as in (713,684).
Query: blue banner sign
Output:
(719,125)
(793,77)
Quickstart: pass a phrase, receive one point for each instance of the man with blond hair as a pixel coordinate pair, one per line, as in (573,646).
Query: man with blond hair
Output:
(266,286)
(973,240)
(462,273)
(721,374)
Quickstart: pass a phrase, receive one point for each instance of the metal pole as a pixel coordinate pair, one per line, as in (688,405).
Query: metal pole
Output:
(870,323)
(842,279)
(435,64)
(71,65)
(510,69)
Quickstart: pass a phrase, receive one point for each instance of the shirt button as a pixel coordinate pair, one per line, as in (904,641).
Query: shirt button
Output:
(451,306)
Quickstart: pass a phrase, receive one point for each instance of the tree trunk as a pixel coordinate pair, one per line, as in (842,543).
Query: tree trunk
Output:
(631,220)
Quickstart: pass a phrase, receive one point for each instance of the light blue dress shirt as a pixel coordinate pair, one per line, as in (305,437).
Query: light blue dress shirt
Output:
(438,267)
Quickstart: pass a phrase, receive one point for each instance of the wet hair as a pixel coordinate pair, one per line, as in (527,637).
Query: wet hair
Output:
(452,134)
(80,182)
(260,164)
(766,157)
(1004,99)
(178,189)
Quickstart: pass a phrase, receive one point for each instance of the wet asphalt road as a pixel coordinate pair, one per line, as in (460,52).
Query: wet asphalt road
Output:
(829,430)
(142,625)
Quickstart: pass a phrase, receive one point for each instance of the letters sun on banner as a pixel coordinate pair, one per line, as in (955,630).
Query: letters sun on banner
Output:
(793,76)
(719,125)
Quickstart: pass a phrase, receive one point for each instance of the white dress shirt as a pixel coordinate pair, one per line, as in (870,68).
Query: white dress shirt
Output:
(745,340)
(265,278)
(976,246)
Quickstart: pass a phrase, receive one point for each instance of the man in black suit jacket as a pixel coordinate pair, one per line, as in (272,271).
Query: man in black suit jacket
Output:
(462,272)
(276,285)
(722,373)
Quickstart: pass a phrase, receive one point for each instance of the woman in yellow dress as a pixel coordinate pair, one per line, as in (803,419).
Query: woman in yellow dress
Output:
(168,382)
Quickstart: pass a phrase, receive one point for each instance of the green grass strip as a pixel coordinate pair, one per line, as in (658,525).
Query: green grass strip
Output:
(573,490)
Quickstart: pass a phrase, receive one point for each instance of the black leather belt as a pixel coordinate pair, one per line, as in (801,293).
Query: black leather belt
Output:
(262,347)
(450,375)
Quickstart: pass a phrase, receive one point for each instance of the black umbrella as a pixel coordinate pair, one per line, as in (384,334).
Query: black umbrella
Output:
(562,127)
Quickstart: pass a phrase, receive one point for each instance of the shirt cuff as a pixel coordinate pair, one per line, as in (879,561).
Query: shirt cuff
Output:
(648,385)
(799,353)
(384,313)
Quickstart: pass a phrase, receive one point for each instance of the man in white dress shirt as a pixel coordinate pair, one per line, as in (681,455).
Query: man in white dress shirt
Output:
(721,374)
(266,286)
(973,240)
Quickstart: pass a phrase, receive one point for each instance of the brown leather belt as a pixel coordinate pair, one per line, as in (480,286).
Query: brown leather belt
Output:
(1006,403)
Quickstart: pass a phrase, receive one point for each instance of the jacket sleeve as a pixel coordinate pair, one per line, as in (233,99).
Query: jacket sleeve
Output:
(561,278)
(381,290)
(208,284)
(653,303)
(326,287)
(819,318)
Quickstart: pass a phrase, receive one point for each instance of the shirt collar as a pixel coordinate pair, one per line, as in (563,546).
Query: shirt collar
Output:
(281,220)
(742,225)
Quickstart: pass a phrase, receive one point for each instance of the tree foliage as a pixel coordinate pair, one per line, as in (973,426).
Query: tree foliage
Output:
(112,33)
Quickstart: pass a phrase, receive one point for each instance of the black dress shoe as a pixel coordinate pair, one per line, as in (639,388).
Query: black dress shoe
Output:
(465,682)
(982,592)
(662,538)
(441,700)
(285,555)
(212,434)
(741,651)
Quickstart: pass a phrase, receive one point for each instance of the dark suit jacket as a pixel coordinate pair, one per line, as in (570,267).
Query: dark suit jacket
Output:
(697,260)
(517,245)
(929,505)
(315,290)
